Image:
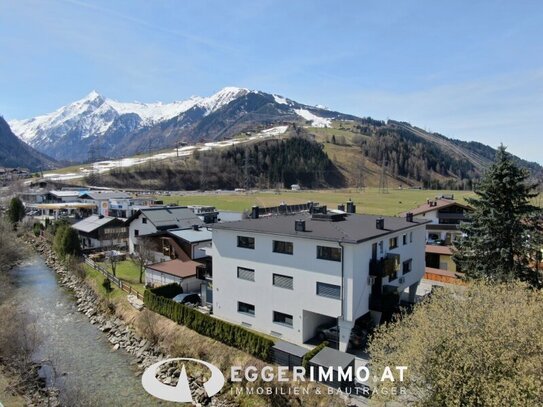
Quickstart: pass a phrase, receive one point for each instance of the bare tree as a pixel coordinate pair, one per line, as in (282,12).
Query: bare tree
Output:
(113,241)
(143,255)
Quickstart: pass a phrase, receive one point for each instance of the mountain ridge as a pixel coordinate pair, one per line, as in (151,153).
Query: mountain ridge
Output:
(16,153)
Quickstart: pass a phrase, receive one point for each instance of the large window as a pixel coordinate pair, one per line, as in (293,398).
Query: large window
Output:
(329,253)
(245,308)
(393,243)
(404,238)
(328,290)
(246,274)
(283,247)
(406,267)
(282,281)
(283,319)
(246,242)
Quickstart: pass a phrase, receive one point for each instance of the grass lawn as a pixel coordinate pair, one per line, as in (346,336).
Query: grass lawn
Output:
(127,271)
(368,200)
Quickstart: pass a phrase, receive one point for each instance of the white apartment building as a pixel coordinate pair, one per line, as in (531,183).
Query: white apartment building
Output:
(287,275)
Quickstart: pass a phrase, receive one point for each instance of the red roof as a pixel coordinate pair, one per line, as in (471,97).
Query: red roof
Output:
(178,268)
(438,249)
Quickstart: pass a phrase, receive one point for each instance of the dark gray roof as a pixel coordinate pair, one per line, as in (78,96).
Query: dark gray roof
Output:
(97,195)
(332,357)
(354,229)
(92,223)
(173,217)
(290,348)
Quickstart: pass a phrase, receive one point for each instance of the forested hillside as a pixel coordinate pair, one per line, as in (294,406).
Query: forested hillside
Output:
(265,164)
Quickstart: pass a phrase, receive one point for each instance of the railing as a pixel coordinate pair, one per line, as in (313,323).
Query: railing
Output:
(115,280)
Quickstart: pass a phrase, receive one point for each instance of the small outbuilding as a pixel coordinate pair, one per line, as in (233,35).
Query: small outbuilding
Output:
(288,354)
(337,360)
(174,271)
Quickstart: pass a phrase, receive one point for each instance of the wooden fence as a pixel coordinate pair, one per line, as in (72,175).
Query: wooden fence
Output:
(115,280)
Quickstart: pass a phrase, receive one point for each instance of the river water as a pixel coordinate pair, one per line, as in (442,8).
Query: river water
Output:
(88,372)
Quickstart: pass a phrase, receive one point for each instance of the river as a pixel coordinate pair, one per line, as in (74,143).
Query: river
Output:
(88,372)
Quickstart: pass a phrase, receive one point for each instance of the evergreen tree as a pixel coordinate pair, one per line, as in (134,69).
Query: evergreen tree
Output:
(499,234)
(16,210)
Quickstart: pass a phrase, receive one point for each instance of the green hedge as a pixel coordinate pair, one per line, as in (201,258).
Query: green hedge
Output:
(311,354)
(168,290)
(229,334)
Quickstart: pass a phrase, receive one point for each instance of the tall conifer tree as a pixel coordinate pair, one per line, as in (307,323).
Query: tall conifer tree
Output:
(500,234)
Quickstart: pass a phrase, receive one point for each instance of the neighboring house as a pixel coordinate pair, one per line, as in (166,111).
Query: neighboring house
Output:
(33,197)
(62,196)
(174,271)
(126,207)
(102,198)
(98,232)
(287,275)
(445,215)
(152,220)
(193,241)
(208,214)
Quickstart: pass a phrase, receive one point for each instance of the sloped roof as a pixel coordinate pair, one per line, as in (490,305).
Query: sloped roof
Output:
(170,217)
(440,203)
(92,223)
(176,267)
(99,195)
(354,229)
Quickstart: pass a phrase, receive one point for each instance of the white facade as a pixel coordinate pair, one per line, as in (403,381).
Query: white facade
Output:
(156,278)
(139,227)
(308,310)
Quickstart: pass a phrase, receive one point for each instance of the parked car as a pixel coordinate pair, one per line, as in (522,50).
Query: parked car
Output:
(188,298)
(331,333)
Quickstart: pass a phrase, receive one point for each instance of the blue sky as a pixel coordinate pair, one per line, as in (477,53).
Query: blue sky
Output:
(471,70)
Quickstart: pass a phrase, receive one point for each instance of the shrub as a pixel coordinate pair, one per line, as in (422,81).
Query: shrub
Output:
(311,354)
(107,285)
(229,334)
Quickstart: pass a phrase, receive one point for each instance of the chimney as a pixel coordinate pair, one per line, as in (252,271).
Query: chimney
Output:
(341,207)
(195,227)
(254,212)
(409,216)
(299,225)
(380,223)
(282,208)
(351,207)
(324,209)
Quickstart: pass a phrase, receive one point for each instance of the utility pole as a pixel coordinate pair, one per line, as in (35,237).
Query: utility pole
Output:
(383,181)
(246,179)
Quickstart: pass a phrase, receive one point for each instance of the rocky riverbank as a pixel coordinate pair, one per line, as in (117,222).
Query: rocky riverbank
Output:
(118,332)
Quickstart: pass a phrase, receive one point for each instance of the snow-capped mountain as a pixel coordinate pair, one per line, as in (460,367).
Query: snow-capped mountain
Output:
(117,129)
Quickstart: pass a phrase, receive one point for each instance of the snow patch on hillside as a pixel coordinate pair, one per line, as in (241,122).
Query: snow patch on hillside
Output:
(316,120)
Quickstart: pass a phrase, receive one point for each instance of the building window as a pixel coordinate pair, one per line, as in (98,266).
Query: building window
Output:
(245,308)
(283,247)
(143,220)
(282,281)
(404,238)
(393,243)
(392,276)
(329,290)
(329,253)
(246,274)
(246,242)
(283,319)
(381,247)
(406,266)
(136,232)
